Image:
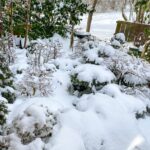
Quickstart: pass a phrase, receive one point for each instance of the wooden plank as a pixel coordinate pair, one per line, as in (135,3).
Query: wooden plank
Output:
(132,30)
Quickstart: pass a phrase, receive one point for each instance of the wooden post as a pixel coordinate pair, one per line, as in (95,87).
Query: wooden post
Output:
(118,26)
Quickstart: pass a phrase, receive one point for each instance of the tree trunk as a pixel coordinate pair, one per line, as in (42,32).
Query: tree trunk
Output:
(72,37)
(139,14)
(27,23)
(131,2)
(89,21)
(1,27)
(10,34)
(11,17)
(123,13)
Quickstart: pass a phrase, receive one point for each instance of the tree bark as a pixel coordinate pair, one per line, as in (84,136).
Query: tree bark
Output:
(123,13)
(90,16)
(72,37)
(1,27)
(27,23)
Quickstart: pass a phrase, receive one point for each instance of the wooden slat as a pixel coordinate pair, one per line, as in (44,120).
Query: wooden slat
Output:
(132,29)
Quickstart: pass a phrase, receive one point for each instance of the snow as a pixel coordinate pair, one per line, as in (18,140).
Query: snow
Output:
(104,120)
(92,56)
(89,72)
(120,37)
(116,44)
(107,50)
(103,24)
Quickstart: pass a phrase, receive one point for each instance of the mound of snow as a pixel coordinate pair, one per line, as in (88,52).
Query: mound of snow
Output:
(106,50)
(89,72)
(112,90)
(91,56)
(119,37)
(35,118)
(116,44)
(66,63)
(35,122)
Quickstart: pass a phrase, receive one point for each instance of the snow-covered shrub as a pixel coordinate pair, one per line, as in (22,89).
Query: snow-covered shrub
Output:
(7,93)
(119,37)
(117,40)
(6,80)
(95,52)
(36,82)
(128,70)
(3,111)
(37,121)
(37,78)
(116,44)
(91,56)
(106,51)
(141,92)
(87,78)
(41,51)
(7,50)
(66,64)
(89,45)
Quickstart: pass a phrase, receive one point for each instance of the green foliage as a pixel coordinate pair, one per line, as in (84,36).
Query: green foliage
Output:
(3,112)
(6,81)
(142,8)
(45,18)
(134,52)
(85,87)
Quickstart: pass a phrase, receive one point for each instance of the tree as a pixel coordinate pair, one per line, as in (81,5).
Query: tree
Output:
(27,24)
(42,19)
(74,9)
(0,18)
(6,84)
(141,8)
(89,21)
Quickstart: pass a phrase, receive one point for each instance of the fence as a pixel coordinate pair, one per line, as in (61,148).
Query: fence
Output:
(133,31)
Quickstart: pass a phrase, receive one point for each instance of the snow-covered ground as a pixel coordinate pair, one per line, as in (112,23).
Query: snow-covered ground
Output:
(103,24)
(112,115)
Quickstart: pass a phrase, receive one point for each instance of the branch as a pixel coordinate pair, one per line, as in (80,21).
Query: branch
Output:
(123,13)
